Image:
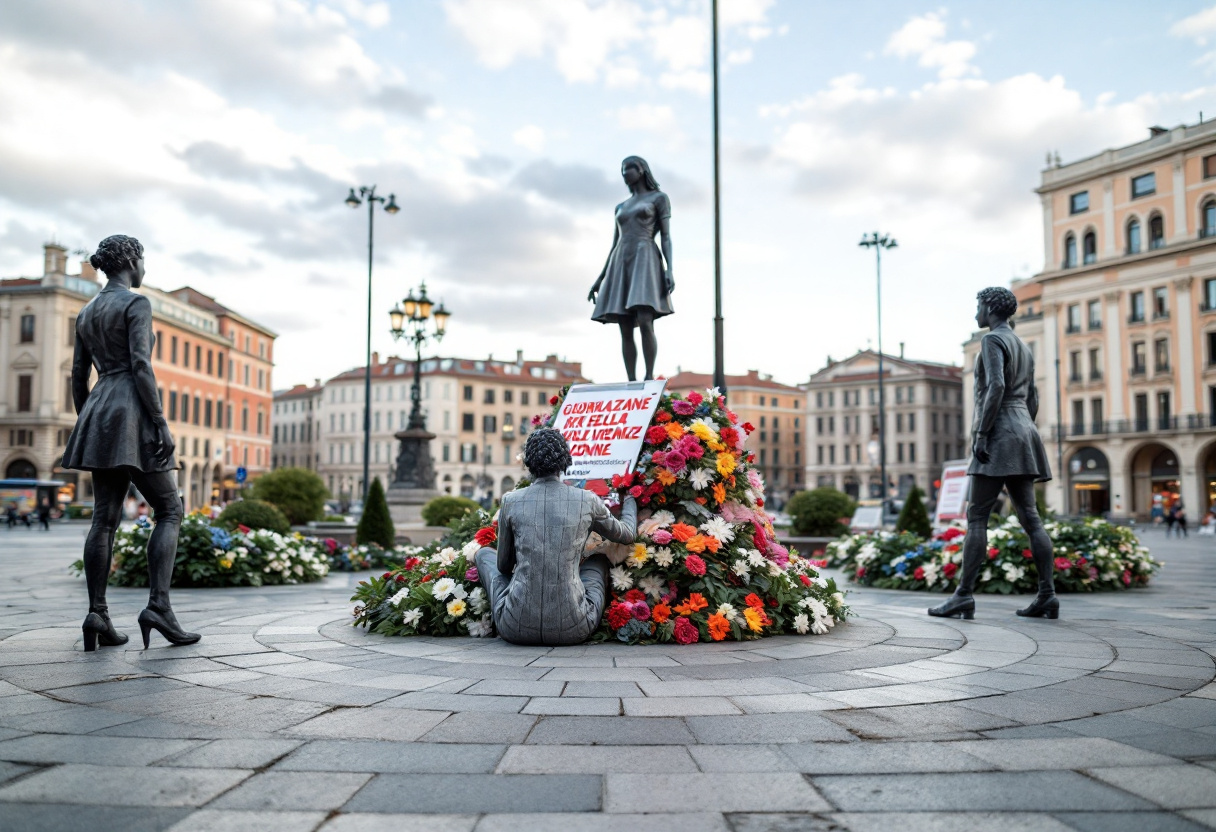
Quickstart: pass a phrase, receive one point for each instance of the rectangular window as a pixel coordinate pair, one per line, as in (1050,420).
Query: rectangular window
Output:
(160,339)
(899,452)
(447,452)
(911,423)
(185,408)
(1209,166)
(899,423)
(1078,203)
(1161,355)
(1139,358)
(936,454)
(1144,185)
(1164,422)
(1136,301)
(197,408)
(186,354)
(1074,366)
(198,357)
(1161,302)
(1212,349)
(1074,317)
(1095,314)
(27,329)
(468,392)
(847,450)
(523,397)
(1096,417)
(219,365)
(173,350)
(210,361)
(466,422)
(819,400)
(832,424)
(1142,411)
(831,454)
(489,424)
(25,394)
(819,454)
(933,420)
(173,405)
(508,396)
(911,452)
(489,396)
(1078,417)
(1095,364)
(763,456)
(899,395)
(762,401)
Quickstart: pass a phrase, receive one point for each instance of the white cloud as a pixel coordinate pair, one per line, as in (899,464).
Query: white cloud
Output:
(530,137)
(692,81)
(1197,27)
(649,118)
(374,15)
(924,38)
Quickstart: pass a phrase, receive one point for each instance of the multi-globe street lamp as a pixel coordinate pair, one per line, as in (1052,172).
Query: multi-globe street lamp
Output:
(390,206)
(878,242)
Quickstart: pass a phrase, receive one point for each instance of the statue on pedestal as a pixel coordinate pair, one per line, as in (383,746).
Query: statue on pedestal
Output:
(1007,452)
(634,287)
(121,436)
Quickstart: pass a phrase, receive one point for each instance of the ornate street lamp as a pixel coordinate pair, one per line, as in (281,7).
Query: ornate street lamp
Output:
(354,200)
(417,320)
(878,242)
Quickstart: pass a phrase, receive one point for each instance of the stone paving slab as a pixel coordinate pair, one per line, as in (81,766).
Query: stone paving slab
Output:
(478,793)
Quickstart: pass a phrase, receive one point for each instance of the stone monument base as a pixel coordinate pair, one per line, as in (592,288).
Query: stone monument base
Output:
(405,504)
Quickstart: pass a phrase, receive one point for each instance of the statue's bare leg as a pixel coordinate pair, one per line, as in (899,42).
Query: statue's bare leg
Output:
(650,346)
(629,349)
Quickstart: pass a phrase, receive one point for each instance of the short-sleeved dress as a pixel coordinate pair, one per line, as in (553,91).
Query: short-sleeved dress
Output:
(117,424)
(634,276)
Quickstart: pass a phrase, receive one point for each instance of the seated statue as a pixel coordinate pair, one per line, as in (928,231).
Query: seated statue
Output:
(540,588)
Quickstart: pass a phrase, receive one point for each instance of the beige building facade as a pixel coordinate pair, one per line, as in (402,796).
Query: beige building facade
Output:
(296,437)
(924,424)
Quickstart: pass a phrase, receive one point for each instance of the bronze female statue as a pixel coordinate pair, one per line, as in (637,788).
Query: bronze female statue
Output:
(121,436)
(635,287)
(1007,452)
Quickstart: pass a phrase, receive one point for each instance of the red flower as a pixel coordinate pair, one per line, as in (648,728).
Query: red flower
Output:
(386,576)
(748,428)
(553,400)
(243,529)
(695,397)
(993,552)
(730,436)
(618,615)
(641,611)
(410,563)
(662,416)
(636,491)
(1026,553)
(949,569)
(754,601)
(441,573)
(635,595)
(772,602)
(759,502)
(686,631)
(805,580)
(425,578)
(919,574)
(733,416)
(694,565)
(1127,577)
(487,535)
(400,579)
(951,533)
(861,571)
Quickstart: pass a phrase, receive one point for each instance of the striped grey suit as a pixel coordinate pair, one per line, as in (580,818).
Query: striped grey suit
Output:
(541,590)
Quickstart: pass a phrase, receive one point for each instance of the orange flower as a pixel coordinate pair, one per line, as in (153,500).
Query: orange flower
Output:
(718,626)
(660,613)
(674,429)
(665,477)
(682,532)
(755,619)
(696,543)
(720,492)
(754,601)
(712,543)
(700,500)
(696,601)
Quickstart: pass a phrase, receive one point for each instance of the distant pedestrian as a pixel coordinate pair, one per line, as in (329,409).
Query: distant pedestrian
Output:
(10,515)
(1180,519)
(44,515)
(1171,517)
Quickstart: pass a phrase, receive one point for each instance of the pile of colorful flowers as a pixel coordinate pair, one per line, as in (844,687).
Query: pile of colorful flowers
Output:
(358,557)
(705,565)
(210,556)
(1090,555)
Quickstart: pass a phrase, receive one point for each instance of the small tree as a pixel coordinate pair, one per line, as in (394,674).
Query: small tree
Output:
(913,518)
(820,512)
(255,514)
(376,526)
(443,510)
(298,492)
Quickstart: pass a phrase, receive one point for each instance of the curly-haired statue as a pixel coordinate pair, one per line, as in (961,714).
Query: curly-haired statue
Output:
(1006,452)
(121,436)
(634,288)
(541,588)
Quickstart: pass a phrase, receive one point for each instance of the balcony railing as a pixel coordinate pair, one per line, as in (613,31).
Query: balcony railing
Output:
(1125,427)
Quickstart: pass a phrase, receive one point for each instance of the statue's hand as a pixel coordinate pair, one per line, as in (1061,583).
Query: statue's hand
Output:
(670,282)
(165,441)
(979,449)
(594,291)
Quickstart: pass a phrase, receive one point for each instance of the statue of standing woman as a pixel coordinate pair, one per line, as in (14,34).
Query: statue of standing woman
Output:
(636,283)
(121,436)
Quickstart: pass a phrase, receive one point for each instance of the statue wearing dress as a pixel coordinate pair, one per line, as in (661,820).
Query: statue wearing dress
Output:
(121,436)
(540,587)
(634,287)
(1007,453)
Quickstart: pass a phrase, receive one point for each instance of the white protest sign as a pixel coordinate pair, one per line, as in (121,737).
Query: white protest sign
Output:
(952,496)
(605,426)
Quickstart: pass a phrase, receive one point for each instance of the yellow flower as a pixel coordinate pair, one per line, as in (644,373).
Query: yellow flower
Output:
(703,432)
(716,446)
(726,463)
(225,563)
(456,608)
(640,555)
(754,622)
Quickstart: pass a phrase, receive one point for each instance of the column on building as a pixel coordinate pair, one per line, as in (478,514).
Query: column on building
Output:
(1057,494)
(1116,378)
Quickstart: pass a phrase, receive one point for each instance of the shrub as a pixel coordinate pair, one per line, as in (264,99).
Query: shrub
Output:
(297,492)
(376,526)
(441,511)
(913,518)
(823,512)
(254,514)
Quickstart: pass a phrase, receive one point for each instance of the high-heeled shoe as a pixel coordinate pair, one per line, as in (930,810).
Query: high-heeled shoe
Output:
(1044,606)
(98,628)
(165,623)
(956,606)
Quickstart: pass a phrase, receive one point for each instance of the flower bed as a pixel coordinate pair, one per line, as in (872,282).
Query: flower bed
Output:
(1091,555)
(705,566)
(364,556)
(209,556)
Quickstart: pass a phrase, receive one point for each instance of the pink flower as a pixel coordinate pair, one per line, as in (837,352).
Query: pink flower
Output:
(694,565)
(658,458)
(641,611)
(1127,577)
(537,420)
(683,408)
(1063,564)
(755,481)
(636,491)
(690,446)
(675,461)
(661,536)
(686,631)
(471,574)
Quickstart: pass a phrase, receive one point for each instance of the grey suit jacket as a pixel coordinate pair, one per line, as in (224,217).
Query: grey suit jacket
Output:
(542,533)
(1006,403)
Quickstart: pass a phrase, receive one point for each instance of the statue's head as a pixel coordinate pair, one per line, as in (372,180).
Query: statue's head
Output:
(637,175)
(119,253)
(994,305)
(546,453)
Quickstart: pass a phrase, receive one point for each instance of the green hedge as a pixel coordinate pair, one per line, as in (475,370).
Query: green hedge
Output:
(823,512)
(254,514)
(441,511)
(297,492)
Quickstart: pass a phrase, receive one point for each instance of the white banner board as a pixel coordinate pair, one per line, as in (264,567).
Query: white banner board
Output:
(952,496)
(605,426)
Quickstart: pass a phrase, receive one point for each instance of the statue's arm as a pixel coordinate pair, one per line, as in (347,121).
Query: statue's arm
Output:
(616,236)
(987,409)
(82,364)
(139,335)
(506,543)
(624,530)
(1032,398)
(665,241)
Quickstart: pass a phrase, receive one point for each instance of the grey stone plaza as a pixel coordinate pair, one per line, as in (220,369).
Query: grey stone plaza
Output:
(286,718)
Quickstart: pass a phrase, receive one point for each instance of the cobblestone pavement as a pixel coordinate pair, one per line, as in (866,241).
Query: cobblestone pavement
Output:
(286,718)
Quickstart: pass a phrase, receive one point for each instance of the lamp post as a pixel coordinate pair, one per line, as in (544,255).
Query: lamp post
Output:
(719,337)
(414,476)
(878,242)
(390,206)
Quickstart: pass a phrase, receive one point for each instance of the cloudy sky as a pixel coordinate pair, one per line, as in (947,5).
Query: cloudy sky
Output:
(225,134)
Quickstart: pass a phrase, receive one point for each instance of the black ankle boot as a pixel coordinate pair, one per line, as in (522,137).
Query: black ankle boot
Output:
(165,623)
(956,606)
(1044,606)
(98,628)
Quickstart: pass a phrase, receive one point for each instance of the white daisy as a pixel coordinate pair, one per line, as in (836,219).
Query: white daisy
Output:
(700,478)
(663,556)
(728,612)
(755,558)
(479,627)
(411,617)
(719,528)
(621,580)
(471,548)
(443,588)
(652,586)
(740,568)
(802,623)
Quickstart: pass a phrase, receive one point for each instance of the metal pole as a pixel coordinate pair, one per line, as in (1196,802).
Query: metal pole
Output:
(416,421)
(1060,427)
(719,340)
(882,401)
(367,380)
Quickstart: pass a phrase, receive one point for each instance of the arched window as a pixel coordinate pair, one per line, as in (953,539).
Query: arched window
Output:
(1091,247)
(1133,236)
(1156,231)
(1070,251)
(1207,219)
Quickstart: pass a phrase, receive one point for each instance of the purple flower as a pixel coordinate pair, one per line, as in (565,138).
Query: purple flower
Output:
(676,461)
(683,408)
(471,575)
